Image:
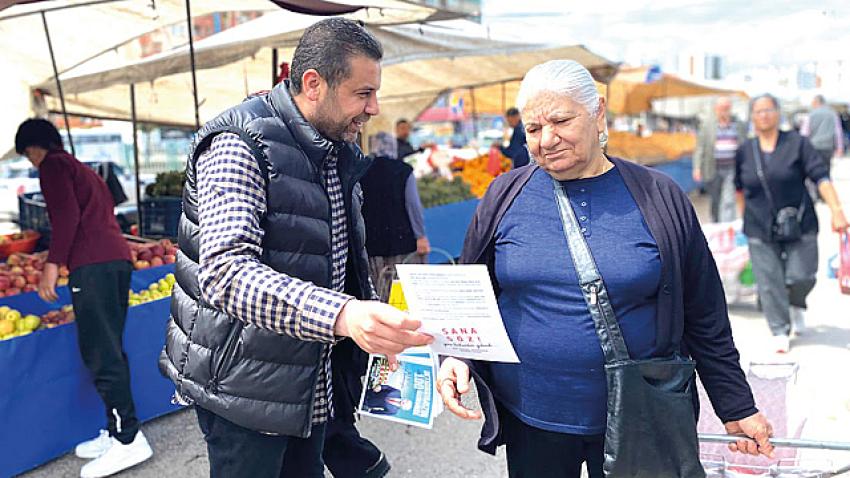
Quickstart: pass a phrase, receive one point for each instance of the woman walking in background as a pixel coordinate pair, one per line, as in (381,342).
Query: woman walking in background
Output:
(779,217)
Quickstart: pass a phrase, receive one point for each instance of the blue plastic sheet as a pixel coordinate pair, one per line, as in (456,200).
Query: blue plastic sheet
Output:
(48,402)
(681,170)
(446,227)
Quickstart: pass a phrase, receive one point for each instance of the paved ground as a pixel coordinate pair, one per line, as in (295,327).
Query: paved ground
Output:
(449,449)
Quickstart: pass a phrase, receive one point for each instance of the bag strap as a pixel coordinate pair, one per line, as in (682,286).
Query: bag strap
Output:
(764,185)
(591,284)
(760,174)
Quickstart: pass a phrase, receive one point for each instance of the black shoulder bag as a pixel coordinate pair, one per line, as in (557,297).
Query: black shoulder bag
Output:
(786,221)
(651,430)
(107,173)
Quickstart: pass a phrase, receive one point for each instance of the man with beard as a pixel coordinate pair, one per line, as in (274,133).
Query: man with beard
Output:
(273,271)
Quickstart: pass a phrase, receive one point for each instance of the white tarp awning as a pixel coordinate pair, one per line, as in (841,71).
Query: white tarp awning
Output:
(421,62)
(102,35)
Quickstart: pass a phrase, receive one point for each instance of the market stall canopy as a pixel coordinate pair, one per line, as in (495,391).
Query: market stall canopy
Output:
(633,90)
(102,34)
(497,98)
(421,62)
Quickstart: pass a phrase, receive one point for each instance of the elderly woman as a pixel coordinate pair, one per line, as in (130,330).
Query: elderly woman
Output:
(393,213)
(779,217)
(661,281)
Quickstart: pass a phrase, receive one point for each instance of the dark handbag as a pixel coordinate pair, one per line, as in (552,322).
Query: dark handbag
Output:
(107,173)
(651,430)
(785,226)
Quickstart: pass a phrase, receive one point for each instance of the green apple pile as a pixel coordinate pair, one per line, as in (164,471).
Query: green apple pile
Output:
(12,324)
(157,290)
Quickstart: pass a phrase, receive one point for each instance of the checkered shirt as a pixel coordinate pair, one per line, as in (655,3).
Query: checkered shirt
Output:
(231,204)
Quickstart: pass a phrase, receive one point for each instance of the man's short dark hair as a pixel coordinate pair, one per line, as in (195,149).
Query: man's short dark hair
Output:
(402,121)
(327,47)
(820,99)
(37,132)
(512,112)
(770,97)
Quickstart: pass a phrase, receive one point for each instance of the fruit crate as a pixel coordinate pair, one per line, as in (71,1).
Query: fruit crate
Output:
(19,242)
(160,216)
(32,215)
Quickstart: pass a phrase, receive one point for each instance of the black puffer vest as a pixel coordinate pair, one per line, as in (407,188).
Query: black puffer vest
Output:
(254,377)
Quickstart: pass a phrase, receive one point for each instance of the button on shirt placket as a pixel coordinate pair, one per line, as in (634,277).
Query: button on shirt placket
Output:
(580,200)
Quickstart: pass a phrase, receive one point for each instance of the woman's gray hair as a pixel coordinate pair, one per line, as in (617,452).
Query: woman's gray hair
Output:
(383,144)
(565,77)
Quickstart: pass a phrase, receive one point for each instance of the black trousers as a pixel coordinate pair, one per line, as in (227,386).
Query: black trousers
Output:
(536,453)
(236,452)
(99,293)
(347,454)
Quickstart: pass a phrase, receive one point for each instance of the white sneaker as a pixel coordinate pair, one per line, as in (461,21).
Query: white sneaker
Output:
(119,457)
(780,344)
(798,320)
(95,447)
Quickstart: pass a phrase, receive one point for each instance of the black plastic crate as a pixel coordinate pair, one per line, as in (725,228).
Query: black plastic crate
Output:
(160,216)
(32,214)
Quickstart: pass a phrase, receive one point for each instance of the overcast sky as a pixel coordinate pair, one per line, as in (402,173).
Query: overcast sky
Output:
(760,32)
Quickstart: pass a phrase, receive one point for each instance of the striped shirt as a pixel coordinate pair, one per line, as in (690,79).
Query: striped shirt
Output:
(232,202)
(725,146)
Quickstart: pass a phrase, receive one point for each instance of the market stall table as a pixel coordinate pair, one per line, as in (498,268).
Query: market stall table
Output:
(48,402)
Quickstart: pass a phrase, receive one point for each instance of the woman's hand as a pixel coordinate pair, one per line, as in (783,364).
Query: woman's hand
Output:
(839,221)
(756,427)
(47,284)
(452,382)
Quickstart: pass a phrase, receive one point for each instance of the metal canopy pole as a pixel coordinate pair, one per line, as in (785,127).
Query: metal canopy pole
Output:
(58,83)
(474,113)
(192,60)
(274,67)
(136,155)
(504,100)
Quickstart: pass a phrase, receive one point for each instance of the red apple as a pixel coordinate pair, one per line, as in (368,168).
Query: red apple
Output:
(12,291)
(13,260)
(19,282)
(156,261)
(5,283)
(145,255)
(33,278)
(169,258)
(171,251)
(30,287)
(16,270)
(157,250)
(142,264)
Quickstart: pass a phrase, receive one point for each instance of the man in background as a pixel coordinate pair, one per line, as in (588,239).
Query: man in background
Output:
(402,137)
(823,129)
(515,149)
(714,159)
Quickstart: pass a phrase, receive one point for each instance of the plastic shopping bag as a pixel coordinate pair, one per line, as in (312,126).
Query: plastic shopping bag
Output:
(844,263)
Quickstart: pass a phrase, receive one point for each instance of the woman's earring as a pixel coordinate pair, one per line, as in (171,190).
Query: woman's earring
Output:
(603,139)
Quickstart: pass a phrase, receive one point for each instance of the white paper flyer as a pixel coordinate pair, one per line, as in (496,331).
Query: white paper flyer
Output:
(457,305)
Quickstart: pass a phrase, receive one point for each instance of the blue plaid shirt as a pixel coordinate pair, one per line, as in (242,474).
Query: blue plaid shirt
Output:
(232,201)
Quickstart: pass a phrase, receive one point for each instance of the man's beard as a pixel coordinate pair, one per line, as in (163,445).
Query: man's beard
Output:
(332,128)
